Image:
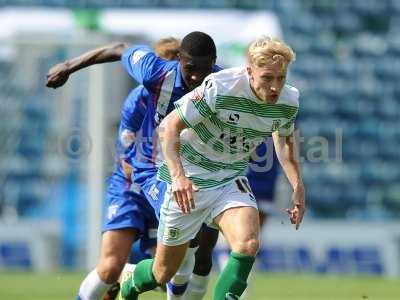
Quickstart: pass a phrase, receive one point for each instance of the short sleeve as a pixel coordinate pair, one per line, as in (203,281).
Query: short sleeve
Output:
(291,95)
(199,104)
(288,128)
(143,65)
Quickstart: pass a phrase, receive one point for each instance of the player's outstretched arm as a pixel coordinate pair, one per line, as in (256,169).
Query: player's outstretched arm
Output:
(286,152)
(59,74)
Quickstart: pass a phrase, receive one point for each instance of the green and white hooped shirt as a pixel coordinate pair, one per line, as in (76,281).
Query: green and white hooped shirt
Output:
(226,122)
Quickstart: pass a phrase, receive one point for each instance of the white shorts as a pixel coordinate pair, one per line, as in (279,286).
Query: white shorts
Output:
(177,228)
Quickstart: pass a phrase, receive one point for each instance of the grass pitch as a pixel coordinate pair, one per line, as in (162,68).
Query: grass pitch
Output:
(63,286)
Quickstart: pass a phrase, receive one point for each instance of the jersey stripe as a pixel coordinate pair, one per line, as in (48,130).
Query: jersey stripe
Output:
(163,174)
(198,159)
(166,90)
(261,110)
(202,132)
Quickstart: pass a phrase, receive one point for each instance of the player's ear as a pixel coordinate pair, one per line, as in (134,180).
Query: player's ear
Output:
(249,71)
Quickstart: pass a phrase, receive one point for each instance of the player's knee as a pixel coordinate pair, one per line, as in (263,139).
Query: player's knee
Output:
(249,247)
(110,269)
(163,274)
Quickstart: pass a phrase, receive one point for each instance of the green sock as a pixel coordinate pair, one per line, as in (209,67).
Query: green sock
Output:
(233,280)
(141,280)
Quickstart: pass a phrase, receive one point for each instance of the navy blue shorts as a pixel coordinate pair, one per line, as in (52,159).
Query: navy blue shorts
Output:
(128,209)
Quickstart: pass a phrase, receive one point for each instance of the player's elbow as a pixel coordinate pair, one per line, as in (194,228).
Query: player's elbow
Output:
(118,48)
(165,126)
(167,131)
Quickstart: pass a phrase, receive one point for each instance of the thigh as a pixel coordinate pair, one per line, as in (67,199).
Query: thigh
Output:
(236,214)
(239,224)
(115,248)
(117,242)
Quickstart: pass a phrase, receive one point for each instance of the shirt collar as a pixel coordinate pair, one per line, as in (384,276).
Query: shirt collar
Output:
(179,83)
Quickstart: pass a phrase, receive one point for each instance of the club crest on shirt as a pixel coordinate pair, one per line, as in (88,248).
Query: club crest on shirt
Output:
(197,95)
(276,124)
(153,192)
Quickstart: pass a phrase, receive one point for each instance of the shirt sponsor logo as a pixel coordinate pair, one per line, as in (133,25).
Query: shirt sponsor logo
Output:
(208,84)
(233,118)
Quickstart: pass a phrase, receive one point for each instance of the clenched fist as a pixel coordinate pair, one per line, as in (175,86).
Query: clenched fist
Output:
(57,75)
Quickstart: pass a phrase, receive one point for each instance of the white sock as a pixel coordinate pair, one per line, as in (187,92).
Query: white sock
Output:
(127,271)
(129,268)
(197,287)
(177,286)
(92,287)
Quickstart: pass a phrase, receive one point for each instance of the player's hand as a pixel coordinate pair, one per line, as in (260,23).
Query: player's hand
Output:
(183,189)
(297,212)
(57,76)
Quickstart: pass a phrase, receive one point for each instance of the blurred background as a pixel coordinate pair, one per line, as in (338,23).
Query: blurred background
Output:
(57,146)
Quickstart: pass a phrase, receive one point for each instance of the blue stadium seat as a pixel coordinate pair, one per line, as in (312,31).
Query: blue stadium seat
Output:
(391,198)
(369,46)
(347,23)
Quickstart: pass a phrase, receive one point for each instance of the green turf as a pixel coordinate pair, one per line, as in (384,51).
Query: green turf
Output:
(63,286)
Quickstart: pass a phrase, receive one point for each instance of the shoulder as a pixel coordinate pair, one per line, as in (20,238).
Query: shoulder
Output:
(136,52)
(227,79)
(142,56)
(289,96)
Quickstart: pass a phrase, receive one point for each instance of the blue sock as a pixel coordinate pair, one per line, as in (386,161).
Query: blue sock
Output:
(177,289)
(137,254)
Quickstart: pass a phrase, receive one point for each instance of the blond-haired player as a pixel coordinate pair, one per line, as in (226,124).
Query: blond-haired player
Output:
(206,142)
